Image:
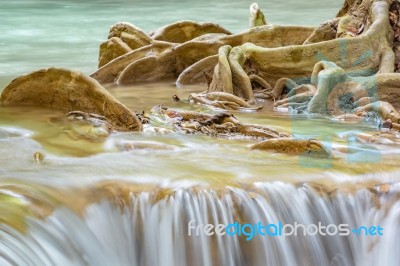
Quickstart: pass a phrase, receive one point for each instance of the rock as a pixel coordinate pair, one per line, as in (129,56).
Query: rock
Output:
(310,147)
(38,157)
(91,127)
(70,91)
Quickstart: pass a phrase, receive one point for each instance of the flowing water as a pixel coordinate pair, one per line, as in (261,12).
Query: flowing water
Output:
(89,203)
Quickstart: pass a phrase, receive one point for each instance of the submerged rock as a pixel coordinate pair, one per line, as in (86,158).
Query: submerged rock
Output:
(38,157)
(70,91)
(87,126)
(310,147)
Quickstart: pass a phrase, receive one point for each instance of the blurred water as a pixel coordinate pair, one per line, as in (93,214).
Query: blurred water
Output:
(43,33)
(91,204)
(150,228)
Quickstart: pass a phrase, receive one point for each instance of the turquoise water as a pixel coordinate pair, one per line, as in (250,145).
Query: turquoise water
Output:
(40,33)
(95,203)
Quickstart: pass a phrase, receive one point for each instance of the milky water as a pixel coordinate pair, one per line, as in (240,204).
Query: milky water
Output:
(150,186)
(40,33)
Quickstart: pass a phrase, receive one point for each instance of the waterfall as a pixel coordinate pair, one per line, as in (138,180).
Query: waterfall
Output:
(148,230)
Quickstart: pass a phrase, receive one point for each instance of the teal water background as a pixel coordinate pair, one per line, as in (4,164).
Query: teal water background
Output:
(43,33)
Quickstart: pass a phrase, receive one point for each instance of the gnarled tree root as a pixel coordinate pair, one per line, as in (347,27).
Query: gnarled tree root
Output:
(335,93)
(219,125)
(222,100)
(362,55)
(111,71)
(189,42)
(123,37)
(111,49)
(70,91)
(186,30)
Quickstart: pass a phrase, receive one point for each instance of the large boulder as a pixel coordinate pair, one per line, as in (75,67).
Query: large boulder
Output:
(70,91)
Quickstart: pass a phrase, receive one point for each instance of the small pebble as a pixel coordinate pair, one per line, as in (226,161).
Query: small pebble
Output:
(387,124)
(175,98)
(38,157)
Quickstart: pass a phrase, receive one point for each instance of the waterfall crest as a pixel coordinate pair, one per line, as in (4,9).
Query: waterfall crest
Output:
(154,231)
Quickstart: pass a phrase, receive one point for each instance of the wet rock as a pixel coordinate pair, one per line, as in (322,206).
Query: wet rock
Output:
(309,147)
(38,157)
(70,91)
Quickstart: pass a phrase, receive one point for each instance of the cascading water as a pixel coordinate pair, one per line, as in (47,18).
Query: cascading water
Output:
(146,228)
(76,219)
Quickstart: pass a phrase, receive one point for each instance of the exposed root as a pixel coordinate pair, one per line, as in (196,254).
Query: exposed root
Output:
(219,125)
(168,63)
(371,33)
(334,92)
(185,30)
(222,100)
(299,94)
(124,28)
(265,85)
(198,41)
(325,32)
(196,72)
(110,72)
(111,49)
(383,109)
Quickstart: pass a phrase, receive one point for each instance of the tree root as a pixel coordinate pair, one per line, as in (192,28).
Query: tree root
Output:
(383,109)
(219,125)
(168,63)
(325,32)
(198,72)
(185,30)
(335,93)
(111,49)
(359,43)
(368,32)
(222,100)
(110,72)
(183,44)
(70,91)
(128,30)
